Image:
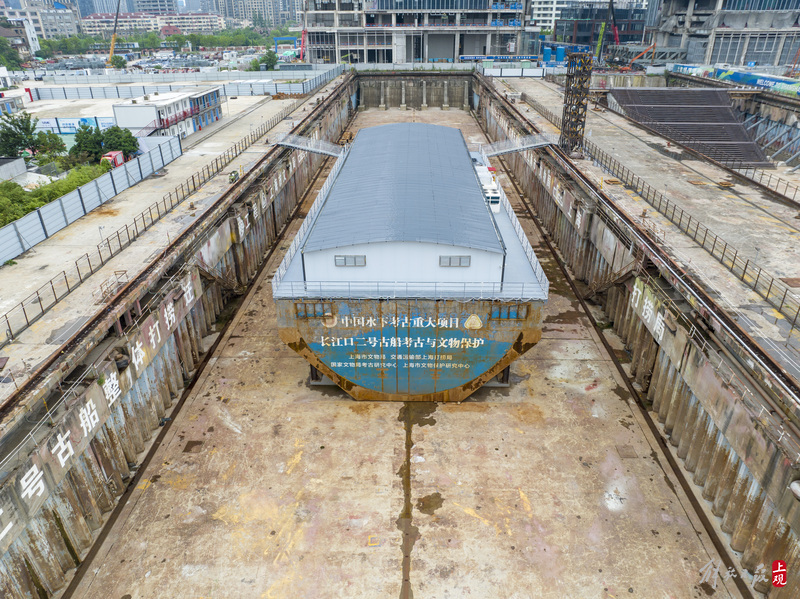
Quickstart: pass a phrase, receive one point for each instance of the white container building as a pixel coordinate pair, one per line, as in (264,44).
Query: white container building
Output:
(172,113)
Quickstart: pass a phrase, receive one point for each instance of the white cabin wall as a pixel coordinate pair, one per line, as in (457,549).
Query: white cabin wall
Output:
(411,262)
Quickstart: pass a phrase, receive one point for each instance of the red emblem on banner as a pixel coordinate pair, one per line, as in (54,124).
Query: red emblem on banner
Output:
(779,573)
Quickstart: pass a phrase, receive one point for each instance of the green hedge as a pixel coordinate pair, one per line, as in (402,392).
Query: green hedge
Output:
(15,202)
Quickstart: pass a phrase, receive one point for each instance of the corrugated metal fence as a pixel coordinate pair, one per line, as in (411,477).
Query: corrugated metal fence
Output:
(24,233)
(233,88)
(210,77)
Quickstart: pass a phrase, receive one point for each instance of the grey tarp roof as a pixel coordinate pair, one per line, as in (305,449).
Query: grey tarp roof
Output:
(406,182)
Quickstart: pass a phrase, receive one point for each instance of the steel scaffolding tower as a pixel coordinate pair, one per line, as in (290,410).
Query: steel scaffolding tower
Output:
(576,97)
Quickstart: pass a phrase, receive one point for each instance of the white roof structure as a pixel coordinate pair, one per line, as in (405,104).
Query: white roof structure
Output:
(407,182)
(402,215)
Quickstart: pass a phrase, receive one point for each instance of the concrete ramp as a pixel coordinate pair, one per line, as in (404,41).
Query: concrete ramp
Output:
(701,119)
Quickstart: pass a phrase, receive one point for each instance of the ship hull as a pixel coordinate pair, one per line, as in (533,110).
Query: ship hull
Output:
(409,349)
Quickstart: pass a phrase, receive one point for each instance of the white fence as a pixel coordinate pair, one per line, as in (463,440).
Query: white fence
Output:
(72,77)
(24,233)
(263,87)
(515,71)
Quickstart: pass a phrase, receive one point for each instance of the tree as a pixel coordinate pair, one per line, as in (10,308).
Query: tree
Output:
(118,139)
(48,142)
(89,140)
(17,134)
(118,62)
(270,59)
(9,57)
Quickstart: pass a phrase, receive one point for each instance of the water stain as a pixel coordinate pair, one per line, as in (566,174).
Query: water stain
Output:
(707,589)
(193,447)
(420,414)
(430,503)
(529,414)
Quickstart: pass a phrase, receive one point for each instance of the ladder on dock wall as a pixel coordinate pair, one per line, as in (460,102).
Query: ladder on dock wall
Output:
(632,269)
(225,281)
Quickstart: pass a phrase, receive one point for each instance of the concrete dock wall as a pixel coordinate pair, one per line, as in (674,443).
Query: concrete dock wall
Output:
(708,408)
(414,91)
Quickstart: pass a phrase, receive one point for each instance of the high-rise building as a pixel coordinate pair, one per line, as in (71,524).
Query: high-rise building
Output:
(274,12)
(48,20)
(91,7)
(583,22)
(397,31)
(545,12)
(154,7)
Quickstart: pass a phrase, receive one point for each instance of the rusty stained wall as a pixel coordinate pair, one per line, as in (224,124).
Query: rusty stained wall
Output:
(388,91)
(740,467)
(60,496)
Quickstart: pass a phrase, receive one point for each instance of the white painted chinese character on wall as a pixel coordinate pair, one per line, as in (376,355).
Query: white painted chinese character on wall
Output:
(111,388)
(88,416)
(169,315)
(154,332)
(32,483)
(636,295)
(188,291)
(63,448)
(647,310)
(138,355)
(6,528)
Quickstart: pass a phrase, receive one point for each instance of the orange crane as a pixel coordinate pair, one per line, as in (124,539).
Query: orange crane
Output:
(114,35)
(795,65)
(638,56)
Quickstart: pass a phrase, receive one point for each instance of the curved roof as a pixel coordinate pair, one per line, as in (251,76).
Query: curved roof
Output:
(406,182)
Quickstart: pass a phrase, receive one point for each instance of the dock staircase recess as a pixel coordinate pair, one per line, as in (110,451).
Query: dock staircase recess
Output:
(700,119)
(225,281)
(631,269)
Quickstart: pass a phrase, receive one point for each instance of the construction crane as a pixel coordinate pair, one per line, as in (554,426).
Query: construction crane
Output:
(612,20)
(795,65)
(638,56)
(304,35)
(114,35)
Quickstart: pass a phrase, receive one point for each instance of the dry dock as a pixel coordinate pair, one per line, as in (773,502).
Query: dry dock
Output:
(266,487)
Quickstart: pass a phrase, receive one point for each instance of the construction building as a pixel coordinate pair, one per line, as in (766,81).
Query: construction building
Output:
(584,22)
(385,31)
(735,32)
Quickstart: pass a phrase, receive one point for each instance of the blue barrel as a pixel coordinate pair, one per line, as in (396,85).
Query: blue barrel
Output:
(560,53)
(548,54)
